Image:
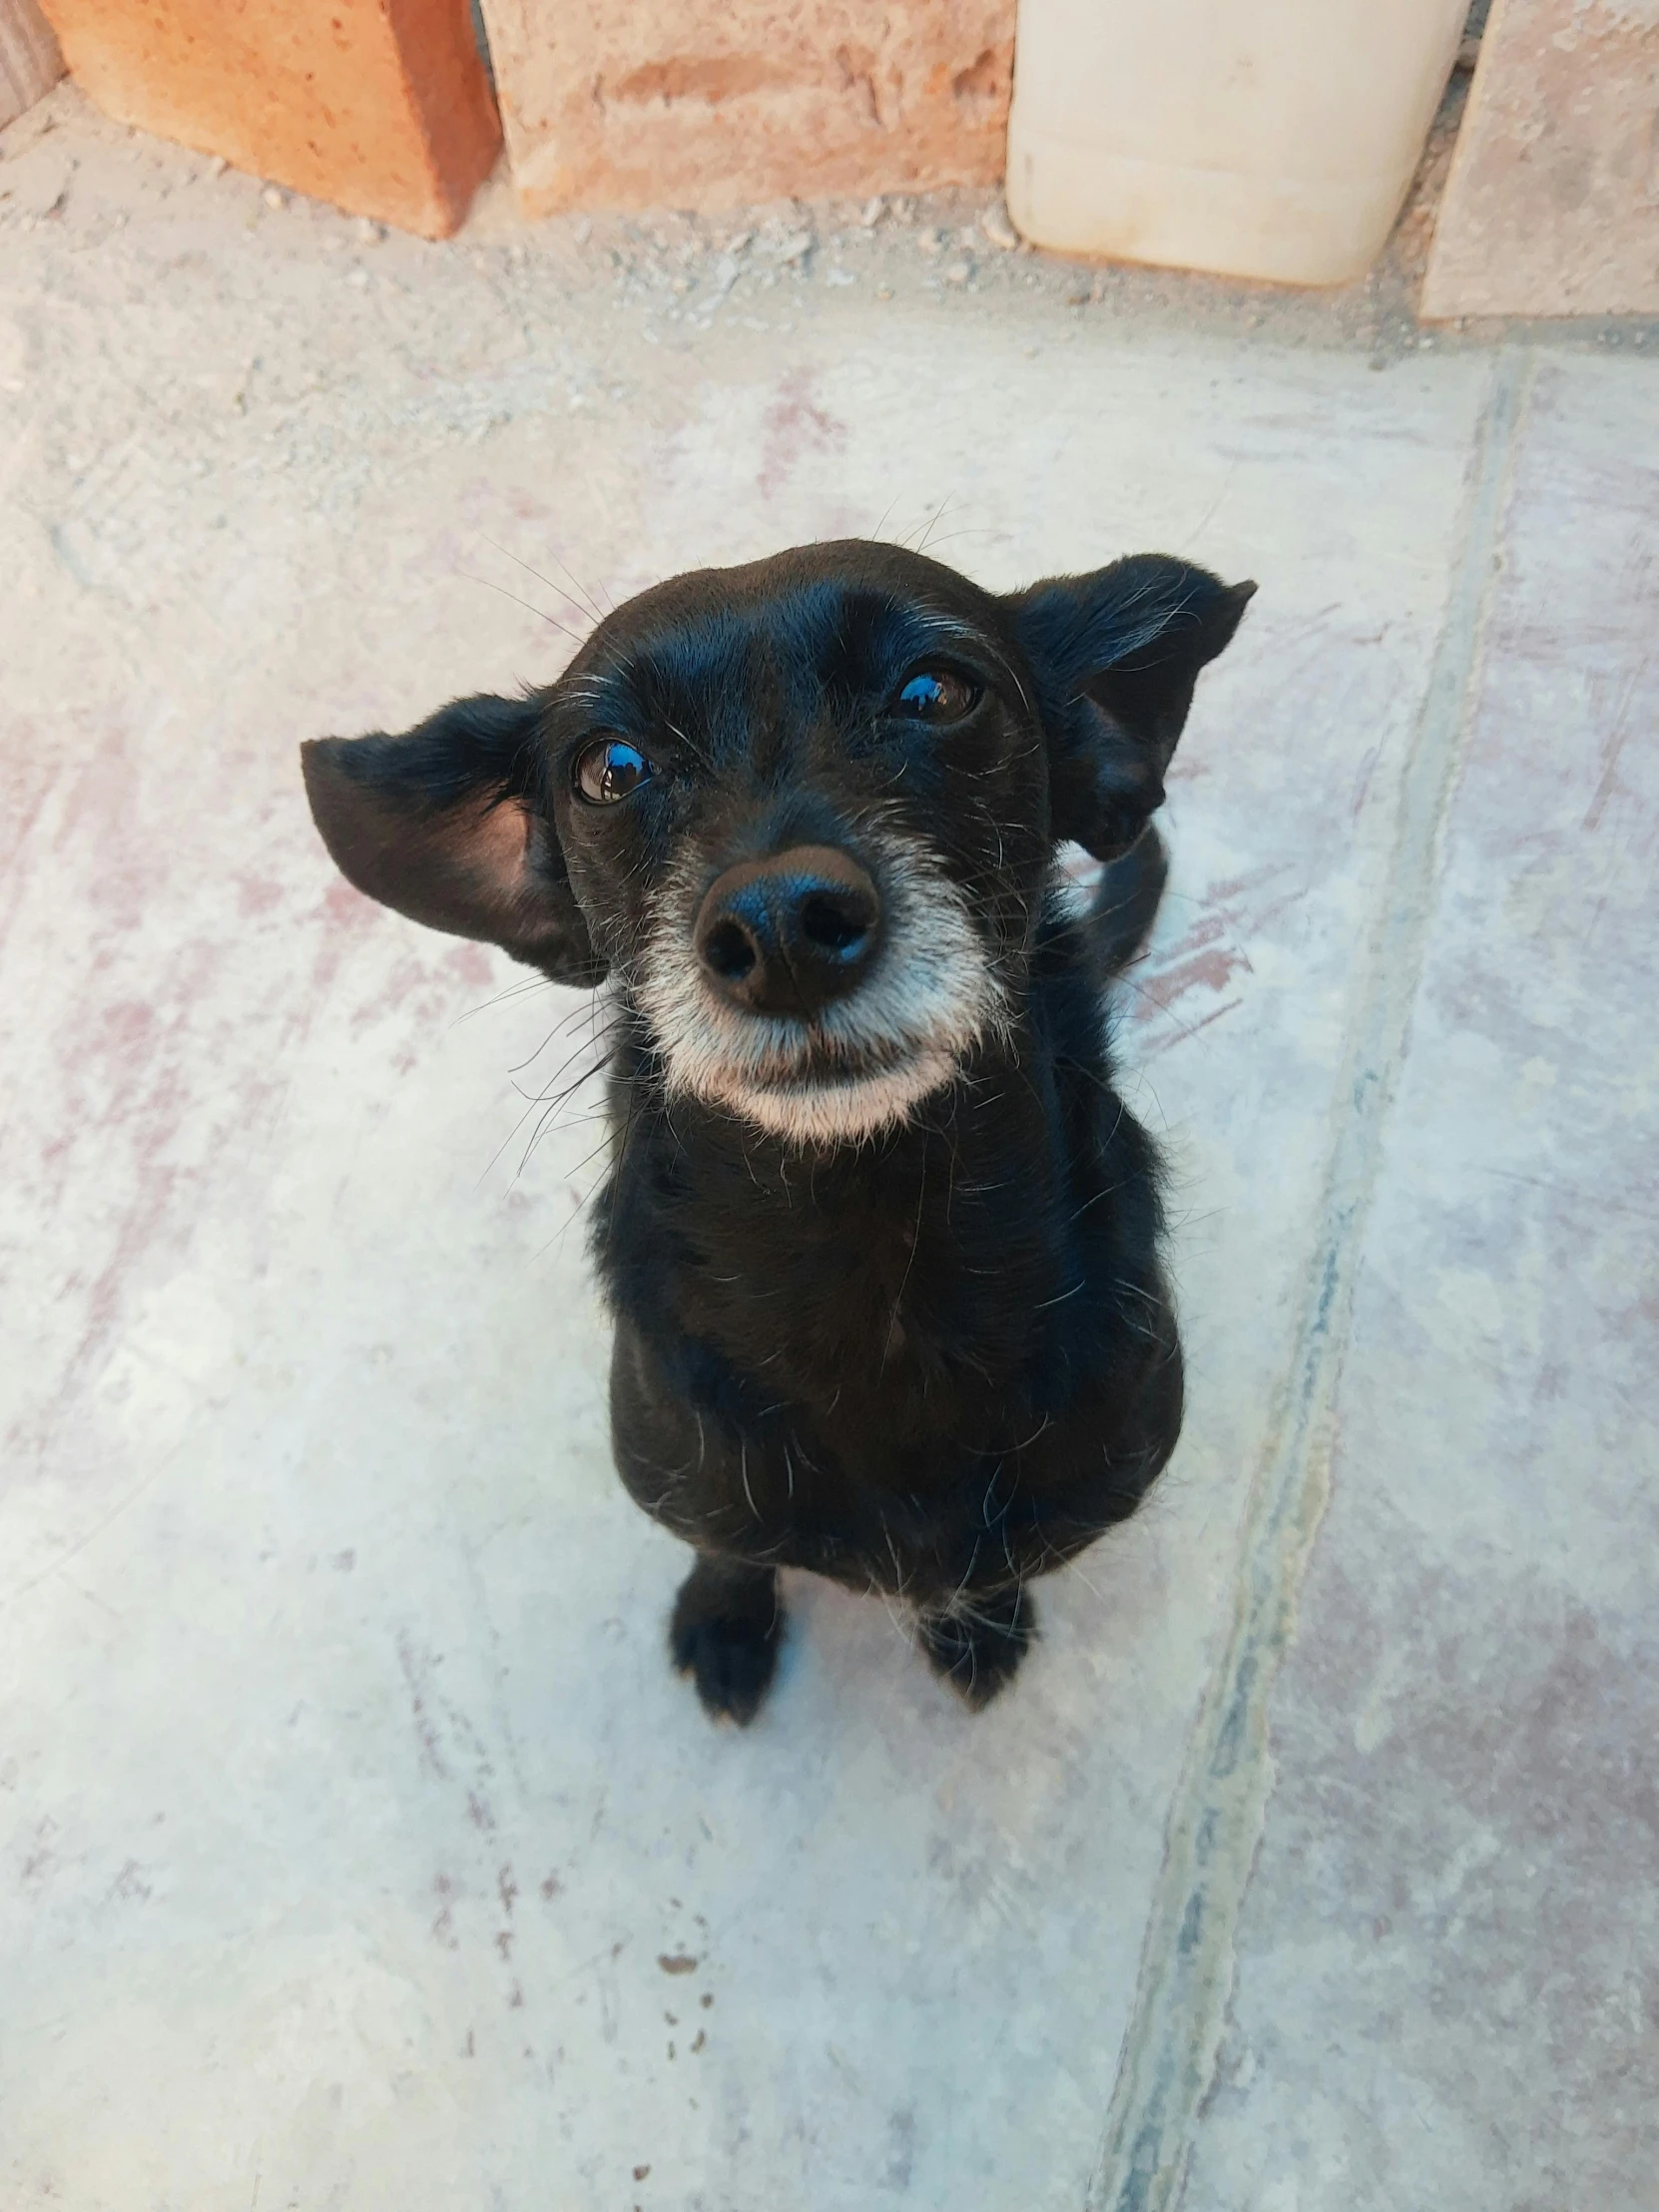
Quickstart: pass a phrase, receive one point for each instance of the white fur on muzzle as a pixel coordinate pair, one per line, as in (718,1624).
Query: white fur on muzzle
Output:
(867,1060)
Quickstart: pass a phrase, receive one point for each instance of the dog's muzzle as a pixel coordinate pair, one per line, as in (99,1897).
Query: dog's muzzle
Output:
(789,933)
(820,998)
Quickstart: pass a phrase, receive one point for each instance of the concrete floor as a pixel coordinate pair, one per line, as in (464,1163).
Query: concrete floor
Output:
(1314,1865)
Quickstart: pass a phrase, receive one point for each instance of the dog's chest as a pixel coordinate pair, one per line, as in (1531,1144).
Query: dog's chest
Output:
(912,1365)
(887,1318)
(868,1492)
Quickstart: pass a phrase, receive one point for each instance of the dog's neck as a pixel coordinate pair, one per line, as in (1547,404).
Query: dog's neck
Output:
(911,1272)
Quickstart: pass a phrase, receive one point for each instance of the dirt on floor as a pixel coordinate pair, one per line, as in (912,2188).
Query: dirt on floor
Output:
(66,167)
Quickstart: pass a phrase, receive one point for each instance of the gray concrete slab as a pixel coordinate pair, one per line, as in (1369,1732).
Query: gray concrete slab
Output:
(1446,1961)
(341,1864)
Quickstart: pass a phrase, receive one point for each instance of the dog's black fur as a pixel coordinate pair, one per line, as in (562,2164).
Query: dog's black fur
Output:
(930,1352)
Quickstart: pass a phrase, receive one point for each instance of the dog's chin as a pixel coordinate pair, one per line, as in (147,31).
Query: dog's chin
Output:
(837,1106)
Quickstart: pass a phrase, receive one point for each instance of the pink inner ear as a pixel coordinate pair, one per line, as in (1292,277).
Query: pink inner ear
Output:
(499,848)
(466,865)
(468,868)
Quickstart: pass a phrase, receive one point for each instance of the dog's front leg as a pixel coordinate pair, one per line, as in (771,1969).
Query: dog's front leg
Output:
(977,1641)
(727,1626)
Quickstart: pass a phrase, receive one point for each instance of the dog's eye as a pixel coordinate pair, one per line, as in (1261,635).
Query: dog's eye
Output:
(936,695)
(609,769)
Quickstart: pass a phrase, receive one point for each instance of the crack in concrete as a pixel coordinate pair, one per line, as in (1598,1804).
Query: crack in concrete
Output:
(1174,2035)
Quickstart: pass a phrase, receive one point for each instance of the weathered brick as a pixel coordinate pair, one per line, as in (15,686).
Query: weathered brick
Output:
(381,106)
(29,63)
(697,104)
(1552,203)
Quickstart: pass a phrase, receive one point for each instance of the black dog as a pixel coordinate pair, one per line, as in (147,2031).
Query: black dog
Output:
(882,1240)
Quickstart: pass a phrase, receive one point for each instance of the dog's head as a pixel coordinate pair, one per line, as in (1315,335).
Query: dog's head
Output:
(803,811)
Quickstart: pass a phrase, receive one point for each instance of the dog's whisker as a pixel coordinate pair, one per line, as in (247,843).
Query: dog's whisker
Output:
(540,613)
(500,998)
(583,609)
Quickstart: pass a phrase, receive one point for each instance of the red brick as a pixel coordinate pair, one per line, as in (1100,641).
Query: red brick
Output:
(381,106)
(707,103)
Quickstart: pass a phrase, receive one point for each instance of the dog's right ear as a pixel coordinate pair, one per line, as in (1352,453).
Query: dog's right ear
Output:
(442,825)
(1116,656)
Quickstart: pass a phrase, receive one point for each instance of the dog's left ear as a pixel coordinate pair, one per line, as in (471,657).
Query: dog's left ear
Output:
(1116,656)
(443,824)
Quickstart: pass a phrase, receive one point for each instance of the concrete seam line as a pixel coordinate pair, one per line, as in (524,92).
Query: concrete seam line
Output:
(1173,2040)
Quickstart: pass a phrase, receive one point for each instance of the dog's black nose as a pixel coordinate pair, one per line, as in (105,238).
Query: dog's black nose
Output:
(786,934)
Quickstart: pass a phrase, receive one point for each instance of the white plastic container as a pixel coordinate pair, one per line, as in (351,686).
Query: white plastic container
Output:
(1261,138)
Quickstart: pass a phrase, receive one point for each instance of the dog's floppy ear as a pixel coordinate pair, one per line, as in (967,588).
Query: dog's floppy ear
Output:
(441,825)
(1116,656)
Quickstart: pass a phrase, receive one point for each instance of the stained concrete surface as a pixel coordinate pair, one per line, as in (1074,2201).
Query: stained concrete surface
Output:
(1446,1961)
(358,1847)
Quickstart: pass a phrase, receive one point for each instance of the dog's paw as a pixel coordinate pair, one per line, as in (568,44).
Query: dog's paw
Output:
(979,1653)
(732,1663)
(724,1634)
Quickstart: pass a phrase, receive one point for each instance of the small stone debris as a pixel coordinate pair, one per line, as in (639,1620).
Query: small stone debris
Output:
(998,230)
(273,198)
(873,210)
(959,273)
(795,248)
(640,2172)
(678,1962)
(366,232)
(39,201)
(930,241)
